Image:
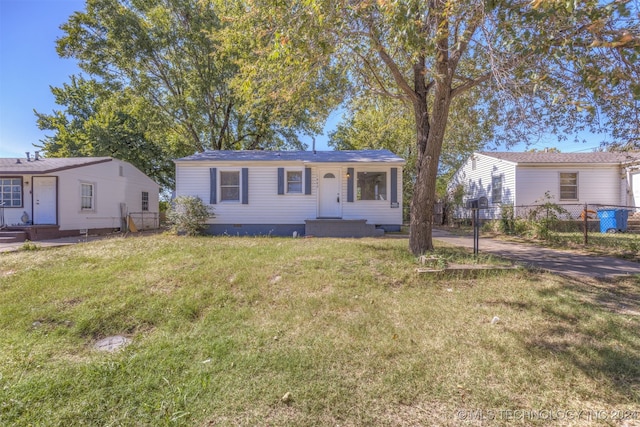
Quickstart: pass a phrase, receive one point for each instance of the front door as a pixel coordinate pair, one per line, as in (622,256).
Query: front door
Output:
(329,199)
(45,195)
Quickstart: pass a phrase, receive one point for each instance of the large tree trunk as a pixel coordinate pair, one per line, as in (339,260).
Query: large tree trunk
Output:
(430,136)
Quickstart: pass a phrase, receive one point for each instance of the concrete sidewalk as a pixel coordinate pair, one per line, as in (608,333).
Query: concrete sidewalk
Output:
(566,263)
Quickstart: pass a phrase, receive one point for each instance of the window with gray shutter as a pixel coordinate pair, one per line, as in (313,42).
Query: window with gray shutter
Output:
(230,186)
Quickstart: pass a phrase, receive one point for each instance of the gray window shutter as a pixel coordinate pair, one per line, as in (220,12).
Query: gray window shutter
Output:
(245,186)
(307,180)
(280,180)
(394,185)
(349,184)
(213,186)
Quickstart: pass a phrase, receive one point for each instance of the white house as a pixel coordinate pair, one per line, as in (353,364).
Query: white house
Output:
(320,193)
(55,197)
(522,179)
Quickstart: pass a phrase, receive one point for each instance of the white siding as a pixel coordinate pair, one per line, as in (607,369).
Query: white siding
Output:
(599,185)
(108,193)
(478,182)
(377,212)
(111,189)
(136,183)
(524,185)
(266,206)
(193,180)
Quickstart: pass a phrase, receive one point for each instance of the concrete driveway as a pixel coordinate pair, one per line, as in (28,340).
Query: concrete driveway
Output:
(566,263)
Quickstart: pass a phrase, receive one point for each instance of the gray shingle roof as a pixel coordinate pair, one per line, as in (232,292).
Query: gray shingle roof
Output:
(16,166)
(543,157)
(346,156)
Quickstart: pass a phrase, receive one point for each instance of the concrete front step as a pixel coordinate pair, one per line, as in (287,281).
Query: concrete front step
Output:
(331,227)
(12,236)
(37,232)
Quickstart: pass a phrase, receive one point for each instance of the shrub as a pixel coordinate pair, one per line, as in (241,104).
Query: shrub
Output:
(189,215)
(30,246)
(507,221)
(546,216)
(164,205)
(520,227)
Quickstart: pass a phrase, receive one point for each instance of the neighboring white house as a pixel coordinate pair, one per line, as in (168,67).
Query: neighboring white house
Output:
(321,193)
(51,197)
(521,179)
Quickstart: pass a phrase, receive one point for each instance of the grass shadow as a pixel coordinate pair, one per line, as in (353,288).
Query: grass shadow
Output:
(593,326)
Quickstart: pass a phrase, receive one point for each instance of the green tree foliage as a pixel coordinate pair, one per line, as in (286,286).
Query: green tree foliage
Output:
(379,122)
(299,91)
(536,67)
(594,51)
(168,53)
(375,123)
(102,120)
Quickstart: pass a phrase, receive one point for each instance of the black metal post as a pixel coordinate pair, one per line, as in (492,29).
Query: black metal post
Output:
(585,213)
(476,230)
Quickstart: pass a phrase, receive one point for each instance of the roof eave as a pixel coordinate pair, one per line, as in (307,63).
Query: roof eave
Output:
(48,171)
(496,158)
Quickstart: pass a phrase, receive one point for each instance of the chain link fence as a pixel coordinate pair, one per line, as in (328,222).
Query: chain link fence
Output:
(137,221)
(591,217)
(574,217)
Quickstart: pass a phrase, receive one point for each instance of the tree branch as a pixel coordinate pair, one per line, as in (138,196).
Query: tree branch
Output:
(464,40)
(383,90)
(469,83)
(392,66)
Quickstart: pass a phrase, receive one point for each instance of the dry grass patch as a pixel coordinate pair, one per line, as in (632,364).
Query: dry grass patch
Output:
(349,329)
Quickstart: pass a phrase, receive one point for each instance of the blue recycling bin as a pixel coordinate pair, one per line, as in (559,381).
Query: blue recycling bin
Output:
(613,220)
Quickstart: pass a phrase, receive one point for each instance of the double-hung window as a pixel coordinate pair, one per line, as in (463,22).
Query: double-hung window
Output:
(230,186)
(568,185)
(87,193)
(11,192)
(496,189)
(145,201)
(294,182)
(371,186)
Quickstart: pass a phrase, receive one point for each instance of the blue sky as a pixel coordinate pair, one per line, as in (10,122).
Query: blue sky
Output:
(29,65)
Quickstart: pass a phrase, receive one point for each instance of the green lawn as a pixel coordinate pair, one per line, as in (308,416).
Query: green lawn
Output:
(621,245)
(222,328)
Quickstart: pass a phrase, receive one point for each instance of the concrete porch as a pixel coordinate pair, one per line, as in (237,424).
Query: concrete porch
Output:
(335,227)
(34,233)
(20,233)
(7,236)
